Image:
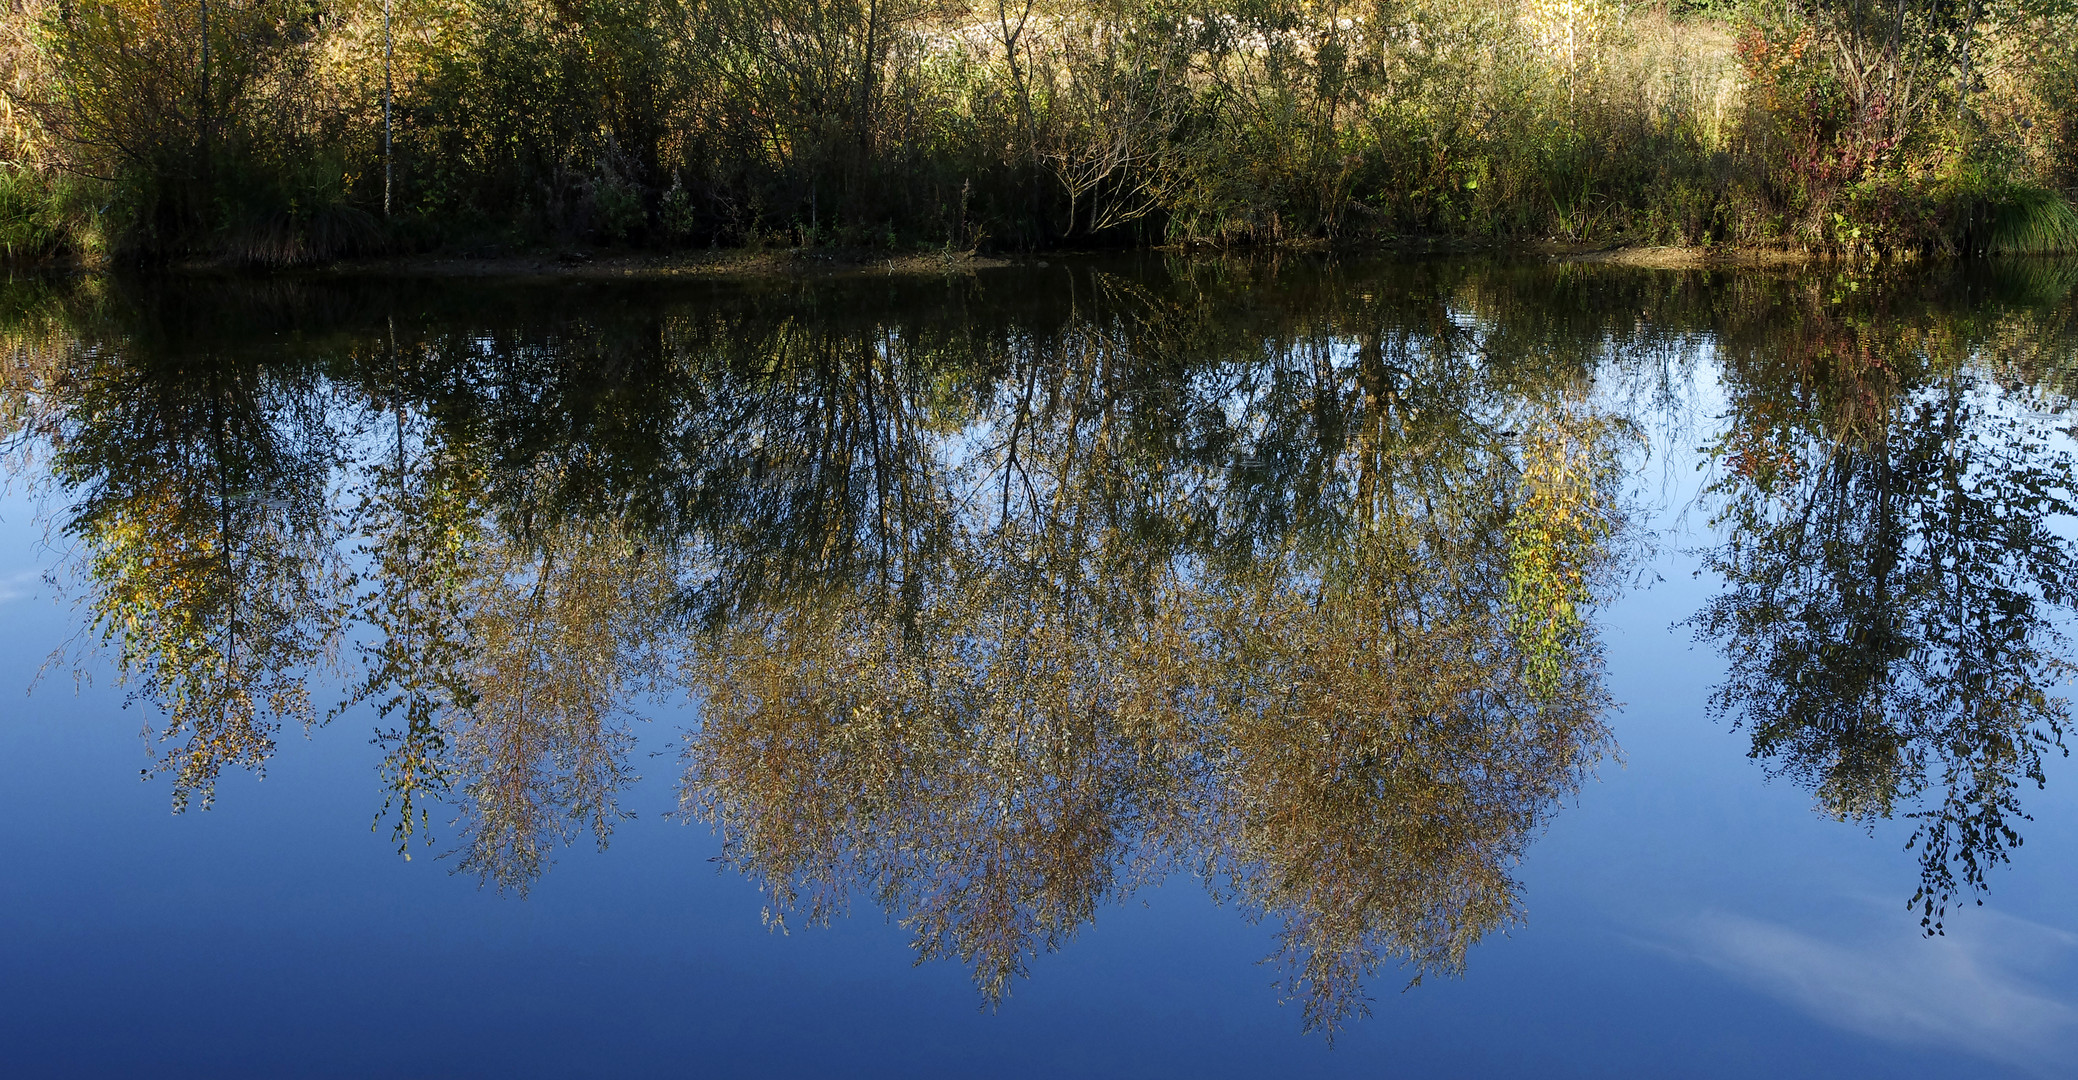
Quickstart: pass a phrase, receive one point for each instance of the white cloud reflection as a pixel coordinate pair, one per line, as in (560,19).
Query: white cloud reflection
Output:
(19,586)
(1980,990)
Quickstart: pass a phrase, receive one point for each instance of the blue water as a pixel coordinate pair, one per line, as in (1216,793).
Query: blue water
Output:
(1686,918)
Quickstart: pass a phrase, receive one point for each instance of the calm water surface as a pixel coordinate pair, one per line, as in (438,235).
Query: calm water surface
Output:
(1105,668)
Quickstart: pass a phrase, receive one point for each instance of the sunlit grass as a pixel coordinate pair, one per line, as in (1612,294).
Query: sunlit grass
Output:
(2035,222)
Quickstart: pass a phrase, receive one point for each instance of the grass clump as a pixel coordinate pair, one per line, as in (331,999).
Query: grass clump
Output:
(2033,221)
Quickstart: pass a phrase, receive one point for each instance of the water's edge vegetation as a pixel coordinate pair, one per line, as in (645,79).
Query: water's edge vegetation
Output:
(277,132)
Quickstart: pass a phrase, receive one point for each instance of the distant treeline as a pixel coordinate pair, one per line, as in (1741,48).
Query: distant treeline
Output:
(284,131)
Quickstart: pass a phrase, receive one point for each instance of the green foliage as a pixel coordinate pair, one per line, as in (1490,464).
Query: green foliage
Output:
(204,125)
(876,122)
(1910,128)
(31,224)
(1032,123)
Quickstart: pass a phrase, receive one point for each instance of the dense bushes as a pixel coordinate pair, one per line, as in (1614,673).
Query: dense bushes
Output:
(1912,125)
(253,129)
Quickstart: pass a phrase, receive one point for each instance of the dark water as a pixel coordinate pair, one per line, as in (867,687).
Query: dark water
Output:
(1124,668)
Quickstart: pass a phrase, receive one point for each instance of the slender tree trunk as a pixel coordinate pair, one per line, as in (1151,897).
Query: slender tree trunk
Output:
(205,115)
(388,50)
(1010,36)
(868,67)
(1962,97)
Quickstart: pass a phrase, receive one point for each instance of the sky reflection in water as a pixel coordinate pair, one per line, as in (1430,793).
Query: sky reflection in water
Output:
(1027,611)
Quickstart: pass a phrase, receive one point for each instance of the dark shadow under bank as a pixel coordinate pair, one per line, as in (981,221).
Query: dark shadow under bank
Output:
(1682,290)
(586,262)
(834,262)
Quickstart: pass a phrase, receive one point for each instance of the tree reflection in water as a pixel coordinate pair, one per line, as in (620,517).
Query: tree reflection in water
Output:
(1104,653)
(207,549)
(1002,602)
(1896,500)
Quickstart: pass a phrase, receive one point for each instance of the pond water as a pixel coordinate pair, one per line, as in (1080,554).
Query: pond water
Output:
(1111,667)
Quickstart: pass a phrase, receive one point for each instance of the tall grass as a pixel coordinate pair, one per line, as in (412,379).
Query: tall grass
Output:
(27,228)
(2034,222)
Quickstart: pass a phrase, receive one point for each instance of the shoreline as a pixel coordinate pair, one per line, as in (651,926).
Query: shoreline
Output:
(752,264)
(824,263)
